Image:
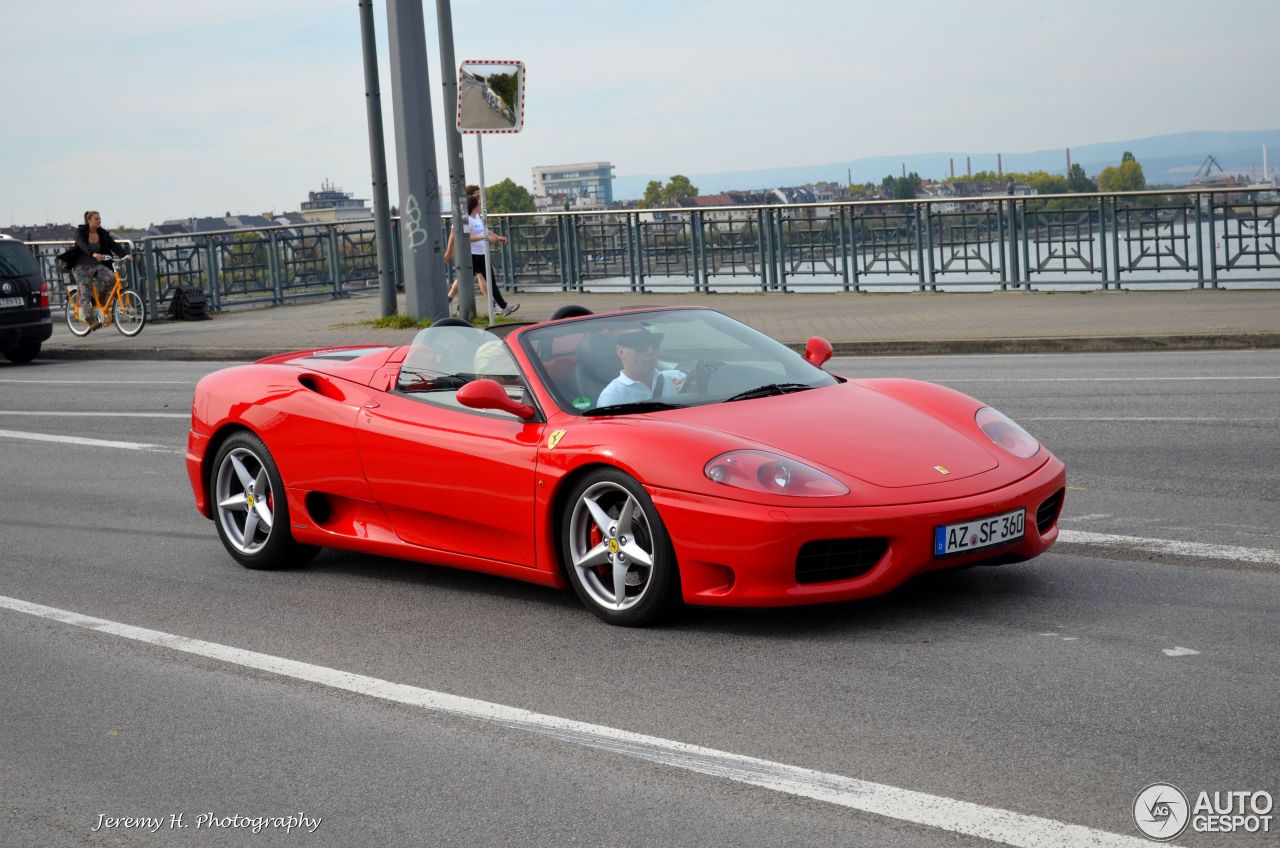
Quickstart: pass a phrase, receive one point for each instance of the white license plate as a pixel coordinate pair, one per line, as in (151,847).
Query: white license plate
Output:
(6,302)
(983,533)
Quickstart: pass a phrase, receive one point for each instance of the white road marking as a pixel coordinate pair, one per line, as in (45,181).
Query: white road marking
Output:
(920,808)
(1234,553)
(1091,516)
(107,382)
(1175,420)
(1179,652)
(100,414)
(79,440)
(1109,379)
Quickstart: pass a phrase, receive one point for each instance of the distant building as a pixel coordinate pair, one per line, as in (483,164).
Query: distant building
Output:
(582,179)
(331,204)
(43,232)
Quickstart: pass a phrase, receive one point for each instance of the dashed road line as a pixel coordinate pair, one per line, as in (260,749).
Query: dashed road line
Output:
(86,414)
(80,440)
(1142,544)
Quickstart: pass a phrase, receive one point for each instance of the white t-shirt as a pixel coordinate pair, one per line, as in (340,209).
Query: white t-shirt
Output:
(475,227)
(623,389)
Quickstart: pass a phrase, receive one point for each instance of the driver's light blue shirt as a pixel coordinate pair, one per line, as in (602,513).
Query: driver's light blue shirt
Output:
(623,389)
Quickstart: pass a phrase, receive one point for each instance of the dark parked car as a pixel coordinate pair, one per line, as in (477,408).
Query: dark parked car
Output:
(24,302)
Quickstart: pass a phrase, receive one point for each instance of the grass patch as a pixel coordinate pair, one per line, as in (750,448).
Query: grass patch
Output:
(399,322)
(404,322)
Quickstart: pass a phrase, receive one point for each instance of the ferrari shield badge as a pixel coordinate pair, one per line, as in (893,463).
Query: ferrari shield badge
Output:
(555,438)
(941,470)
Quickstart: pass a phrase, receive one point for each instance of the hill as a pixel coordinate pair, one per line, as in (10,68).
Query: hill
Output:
(1166,159)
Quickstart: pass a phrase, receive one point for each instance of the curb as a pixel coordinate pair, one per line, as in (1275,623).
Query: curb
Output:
(945,347)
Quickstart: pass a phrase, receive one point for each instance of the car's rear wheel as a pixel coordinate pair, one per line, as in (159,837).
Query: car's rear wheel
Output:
(250,508)
(617,552)
(22,354)
(77,316)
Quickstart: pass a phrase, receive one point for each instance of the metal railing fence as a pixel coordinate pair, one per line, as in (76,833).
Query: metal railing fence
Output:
(1205,238)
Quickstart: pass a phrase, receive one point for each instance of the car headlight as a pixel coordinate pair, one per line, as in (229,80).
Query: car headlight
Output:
(768,473)
(1001,429)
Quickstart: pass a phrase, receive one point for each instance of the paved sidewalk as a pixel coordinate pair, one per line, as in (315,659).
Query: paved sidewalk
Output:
(988,322)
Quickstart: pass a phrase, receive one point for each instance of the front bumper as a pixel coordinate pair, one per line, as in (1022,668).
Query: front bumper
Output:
(739,554)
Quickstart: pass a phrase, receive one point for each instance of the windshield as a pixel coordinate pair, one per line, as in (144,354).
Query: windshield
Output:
(644,361)
(16,260)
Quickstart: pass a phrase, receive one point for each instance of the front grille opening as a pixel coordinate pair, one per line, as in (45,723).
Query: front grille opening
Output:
(1047,514)
(839,559)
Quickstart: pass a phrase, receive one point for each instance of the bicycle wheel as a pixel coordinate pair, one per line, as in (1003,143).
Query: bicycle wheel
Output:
(131,313)
(77,322)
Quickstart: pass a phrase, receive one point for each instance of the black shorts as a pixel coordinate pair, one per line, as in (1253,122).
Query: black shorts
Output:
(477,264)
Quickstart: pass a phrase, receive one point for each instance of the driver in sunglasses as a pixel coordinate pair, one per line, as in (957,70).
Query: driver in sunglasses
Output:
(640,378)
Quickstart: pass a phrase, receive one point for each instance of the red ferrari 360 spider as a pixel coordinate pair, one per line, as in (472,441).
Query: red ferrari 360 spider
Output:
(645,458)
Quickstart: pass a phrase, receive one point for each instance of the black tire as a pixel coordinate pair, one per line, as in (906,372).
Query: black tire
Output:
(22,354)
(595,552)
(130,313)
(245,539)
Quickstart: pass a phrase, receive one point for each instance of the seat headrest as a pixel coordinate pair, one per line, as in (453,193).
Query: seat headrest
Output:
(598,356)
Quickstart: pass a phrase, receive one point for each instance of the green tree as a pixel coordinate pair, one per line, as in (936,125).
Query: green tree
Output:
(505,86)
(1127,177)
(1043,182)
(507,197)
(1078,180)
(901,188)
(677,187)
(652,194)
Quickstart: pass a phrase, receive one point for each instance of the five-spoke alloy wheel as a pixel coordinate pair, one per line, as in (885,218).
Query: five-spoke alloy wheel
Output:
(616,550)
(249,506)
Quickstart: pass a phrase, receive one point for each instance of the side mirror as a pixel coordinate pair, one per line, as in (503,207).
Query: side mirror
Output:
(487,394)
(817,351)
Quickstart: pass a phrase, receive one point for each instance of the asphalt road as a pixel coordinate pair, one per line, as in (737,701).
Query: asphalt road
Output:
(1042,688)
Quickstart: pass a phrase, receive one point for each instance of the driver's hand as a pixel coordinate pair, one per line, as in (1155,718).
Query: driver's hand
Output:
(678,383)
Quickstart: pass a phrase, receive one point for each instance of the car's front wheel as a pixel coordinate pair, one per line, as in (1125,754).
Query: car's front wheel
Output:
(617,552)
(250,508)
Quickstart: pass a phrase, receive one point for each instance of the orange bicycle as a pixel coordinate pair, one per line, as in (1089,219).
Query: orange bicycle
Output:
(123,307)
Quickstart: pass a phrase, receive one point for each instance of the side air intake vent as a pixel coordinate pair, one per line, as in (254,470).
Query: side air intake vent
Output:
(1047,514)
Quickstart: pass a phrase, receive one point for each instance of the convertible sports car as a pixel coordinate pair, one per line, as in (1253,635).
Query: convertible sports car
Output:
(646,458)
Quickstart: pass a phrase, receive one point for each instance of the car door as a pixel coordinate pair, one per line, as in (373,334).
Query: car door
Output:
(452,478)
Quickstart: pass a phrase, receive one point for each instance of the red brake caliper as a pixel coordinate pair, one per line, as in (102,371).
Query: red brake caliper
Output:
(595,537)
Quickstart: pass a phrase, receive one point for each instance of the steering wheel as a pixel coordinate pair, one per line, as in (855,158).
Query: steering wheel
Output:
(698,375)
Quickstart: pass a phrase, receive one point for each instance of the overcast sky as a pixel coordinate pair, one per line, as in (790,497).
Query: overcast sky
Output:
(155,109)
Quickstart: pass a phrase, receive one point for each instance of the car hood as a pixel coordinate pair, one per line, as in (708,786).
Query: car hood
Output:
(848,428)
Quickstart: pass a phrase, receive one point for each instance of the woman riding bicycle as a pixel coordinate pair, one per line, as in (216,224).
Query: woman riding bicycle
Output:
(94,247)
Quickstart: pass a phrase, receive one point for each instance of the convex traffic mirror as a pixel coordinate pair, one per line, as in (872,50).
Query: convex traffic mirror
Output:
(490,97)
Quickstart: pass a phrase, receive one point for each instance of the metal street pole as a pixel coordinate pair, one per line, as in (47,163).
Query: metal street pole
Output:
(425,284)
(457,176)
(378,163)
